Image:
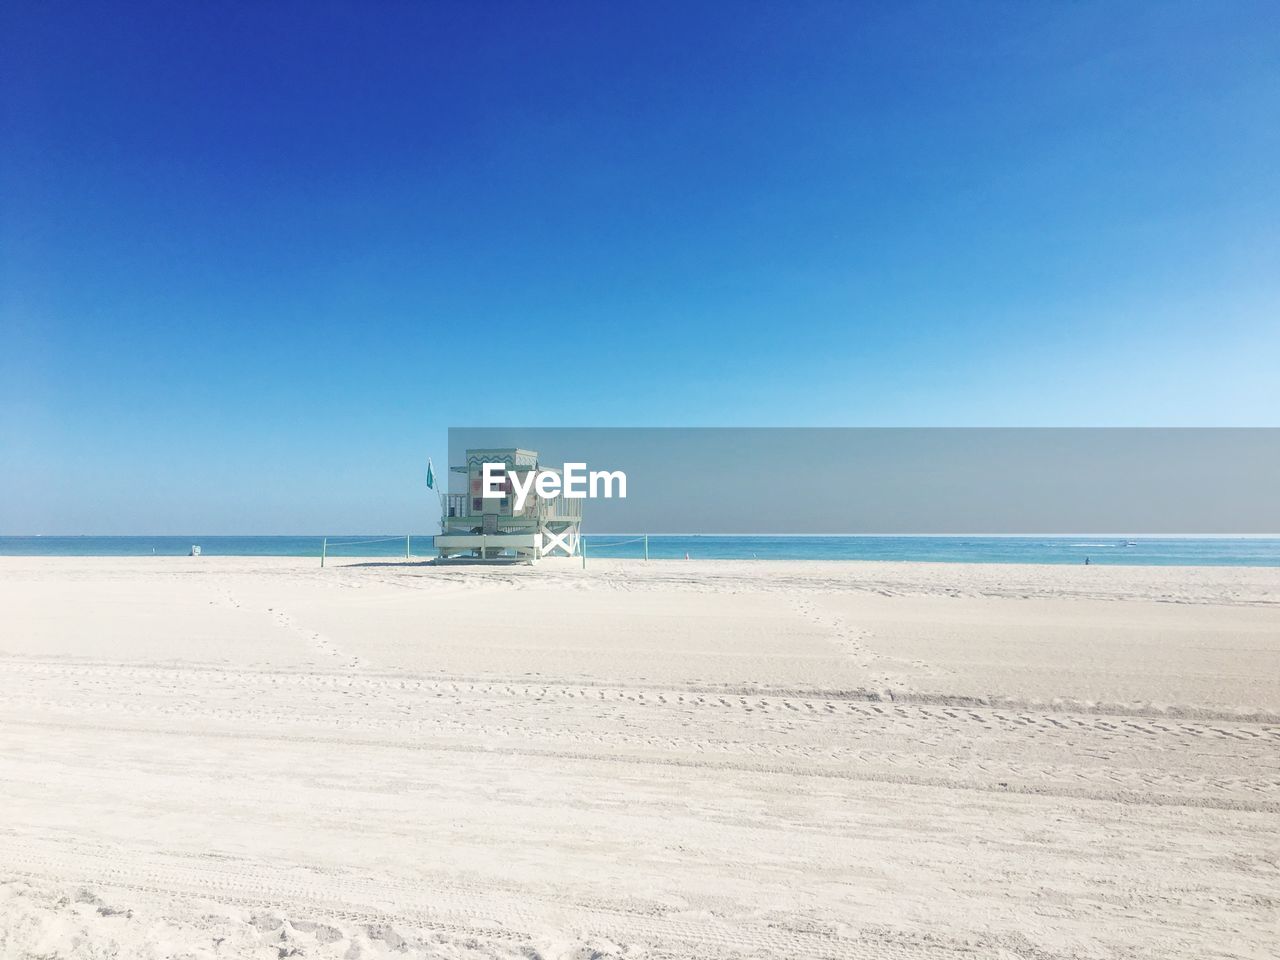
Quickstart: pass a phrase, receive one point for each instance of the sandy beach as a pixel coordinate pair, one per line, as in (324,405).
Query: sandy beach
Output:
(254,757)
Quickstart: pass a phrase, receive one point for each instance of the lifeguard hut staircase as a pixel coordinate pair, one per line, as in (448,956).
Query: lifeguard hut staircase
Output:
(476,527)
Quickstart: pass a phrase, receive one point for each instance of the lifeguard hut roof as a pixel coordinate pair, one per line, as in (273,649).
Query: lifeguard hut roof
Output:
(511,456)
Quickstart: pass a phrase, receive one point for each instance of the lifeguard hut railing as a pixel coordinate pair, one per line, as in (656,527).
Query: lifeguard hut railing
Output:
(458,505)
(562,508)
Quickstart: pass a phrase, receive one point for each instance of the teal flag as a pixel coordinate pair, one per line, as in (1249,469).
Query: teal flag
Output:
(431,476)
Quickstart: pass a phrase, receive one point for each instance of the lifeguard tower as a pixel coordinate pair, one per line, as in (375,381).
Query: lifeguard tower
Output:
(490,528)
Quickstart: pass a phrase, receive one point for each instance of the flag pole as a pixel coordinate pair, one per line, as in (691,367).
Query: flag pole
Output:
(431,485)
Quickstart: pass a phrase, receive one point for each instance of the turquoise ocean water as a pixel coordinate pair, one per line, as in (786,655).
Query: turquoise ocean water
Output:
(1140,551)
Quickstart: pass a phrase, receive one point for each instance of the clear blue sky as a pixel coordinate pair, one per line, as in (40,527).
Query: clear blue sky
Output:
(254,258)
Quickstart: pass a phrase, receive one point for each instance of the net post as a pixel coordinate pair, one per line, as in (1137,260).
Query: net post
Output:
(646,546)
(406,546)
(324,548)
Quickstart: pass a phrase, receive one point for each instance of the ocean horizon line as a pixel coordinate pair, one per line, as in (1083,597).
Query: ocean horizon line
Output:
(1107,548)
(1115,535)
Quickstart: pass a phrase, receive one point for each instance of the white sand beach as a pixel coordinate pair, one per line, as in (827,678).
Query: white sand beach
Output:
(239,757)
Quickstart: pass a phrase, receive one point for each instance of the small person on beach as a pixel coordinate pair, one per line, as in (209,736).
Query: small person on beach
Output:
(1086,561)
